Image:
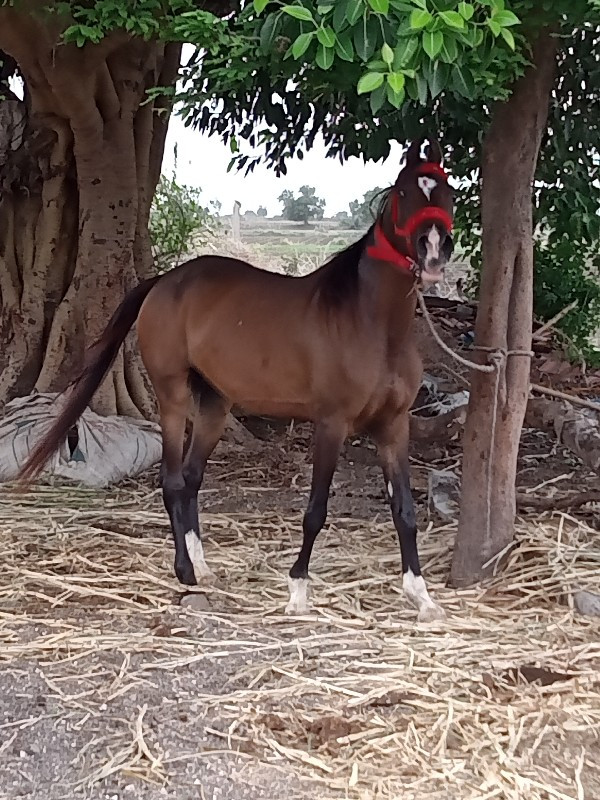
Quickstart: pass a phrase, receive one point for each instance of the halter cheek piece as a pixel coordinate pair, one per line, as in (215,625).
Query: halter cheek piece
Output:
(384,250)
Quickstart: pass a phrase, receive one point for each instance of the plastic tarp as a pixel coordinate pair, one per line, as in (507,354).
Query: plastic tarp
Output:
(104,451)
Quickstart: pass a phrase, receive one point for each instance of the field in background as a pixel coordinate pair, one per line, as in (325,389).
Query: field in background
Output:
(296,249)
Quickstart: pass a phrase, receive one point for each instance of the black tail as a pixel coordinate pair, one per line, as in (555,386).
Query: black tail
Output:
(98,360)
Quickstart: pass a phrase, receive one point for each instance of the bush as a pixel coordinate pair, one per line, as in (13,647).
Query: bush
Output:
(177,221)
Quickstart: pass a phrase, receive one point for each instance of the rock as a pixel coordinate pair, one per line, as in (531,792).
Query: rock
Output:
(444,493)
(195,602)
(587,603)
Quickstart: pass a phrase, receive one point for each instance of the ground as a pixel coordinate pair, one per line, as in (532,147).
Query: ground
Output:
(113,686)
(112,689)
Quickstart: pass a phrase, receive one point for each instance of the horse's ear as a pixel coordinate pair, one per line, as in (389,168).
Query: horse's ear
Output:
(413,154)
(434,151)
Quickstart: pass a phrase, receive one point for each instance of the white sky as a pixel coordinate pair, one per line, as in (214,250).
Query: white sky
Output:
(202,161)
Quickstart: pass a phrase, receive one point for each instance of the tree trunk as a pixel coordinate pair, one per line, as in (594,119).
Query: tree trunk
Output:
(504,320)
(79,161)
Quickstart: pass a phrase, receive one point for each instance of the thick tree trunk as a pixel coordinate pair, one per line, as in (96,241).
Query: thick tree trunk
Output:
(78,169)
(504,320)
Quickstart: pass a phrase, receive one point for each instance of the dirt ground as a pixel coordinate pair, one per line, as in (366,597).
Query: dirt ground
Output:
(109,688)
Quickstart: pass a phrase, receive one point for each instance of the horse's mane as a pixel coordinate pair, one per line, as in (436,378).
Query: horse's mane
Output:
(339,275)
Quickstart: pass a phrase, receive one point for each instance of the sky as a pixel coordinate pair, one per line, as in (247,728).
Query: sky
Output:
(202,162)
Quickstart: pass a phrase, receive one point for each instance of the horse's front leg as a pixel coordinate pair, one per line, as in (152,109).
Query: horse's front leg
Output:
(392,445)
(328,440)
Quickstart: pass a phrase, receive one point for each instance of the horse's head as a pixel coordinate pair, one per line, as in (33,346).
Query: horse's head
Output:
(416,220)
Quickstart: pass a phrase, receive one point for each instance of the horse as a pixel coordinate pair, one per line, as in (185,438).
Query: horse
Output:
(334,347)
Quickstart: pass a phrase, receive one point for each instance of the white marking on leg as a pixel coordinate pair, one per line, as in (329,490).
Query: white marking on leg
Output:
(426,185)
(298,603)
(390,489)
(202,571)
(416,591)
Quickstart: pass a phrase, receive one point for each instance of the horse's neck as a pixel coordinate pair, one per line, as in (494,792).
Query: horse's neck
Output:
(389,295)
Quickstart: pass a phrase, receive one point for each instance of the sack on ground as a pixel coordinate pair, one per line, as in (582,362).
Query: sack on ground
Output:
(103,451)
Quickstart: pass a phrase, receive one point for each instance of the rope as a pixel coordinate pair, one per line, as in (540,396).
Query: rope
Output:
(497,357)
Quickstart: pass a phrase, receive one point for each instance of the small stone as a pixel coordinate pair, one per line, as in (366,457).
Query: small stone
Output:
(195,602)
(587,603)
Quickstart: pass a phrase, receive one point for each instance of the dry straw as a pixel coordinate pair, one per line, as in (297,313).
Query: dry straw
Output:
(357,697)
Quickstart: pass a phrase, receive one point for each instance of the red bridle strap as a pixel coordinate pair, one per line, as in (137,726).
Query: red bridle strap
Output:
(423,215)
(383,250)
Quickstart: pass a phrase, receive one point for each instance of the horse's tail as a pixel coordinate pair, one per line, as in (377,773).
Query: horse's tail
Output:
(99,359)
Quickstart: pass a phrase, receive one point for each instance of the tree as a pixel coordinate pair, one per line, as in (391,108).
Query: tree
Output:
(80,157)
(363,211)
(498,81)
(302,207)
(262,211)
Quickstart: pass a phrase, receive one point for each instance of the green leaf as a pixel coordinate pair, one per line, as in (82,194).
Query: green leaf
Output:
(325,8)
(339,15)
(466,10)
(301,44)
(298,12)
(377,65)
(494,27)
(344,47)
(437,77)
(463,81)
(259,5)
(380,6)
(421,88)
(452,19)
(419,19)
(387,54)
(365,37)
(449,51)
(395,98)
(420,3)
(377,99)
(508,37)
(432,43)
(268,32)
(369,82)
(354,11)
(396,81)
(505,18)
(325,56)
(405,50)
(326,36)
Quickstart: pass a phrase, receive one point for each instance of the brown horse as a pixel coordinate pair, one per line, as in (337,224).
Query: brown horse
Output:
(334,347)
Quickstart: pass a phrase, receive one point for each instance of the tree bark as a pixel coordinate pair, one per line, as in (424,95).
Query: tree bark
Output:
(504,320)
(79,161)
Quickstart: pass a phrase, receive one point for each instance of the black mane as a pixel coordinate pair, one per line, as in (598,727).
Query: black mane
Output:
(339,275)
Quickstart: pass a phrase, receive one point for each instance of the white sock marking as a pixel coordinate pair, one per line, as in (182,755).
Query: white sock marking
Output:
(416,591)
(298,603)
(390,489)
(426,185)
(196,553)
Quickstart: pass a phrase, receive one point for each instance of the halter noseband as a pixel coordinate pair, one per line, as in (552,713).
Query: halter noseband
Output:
(384,250)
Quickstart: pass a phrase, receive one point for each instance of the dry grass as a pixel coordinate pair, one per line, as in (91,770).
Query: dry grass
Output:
(357,696)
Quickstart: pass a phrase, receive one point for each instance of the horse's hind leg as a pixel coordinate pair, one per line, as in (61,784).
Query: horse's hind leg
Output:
(209,423)
(173,395)
(328,441)
(393,453)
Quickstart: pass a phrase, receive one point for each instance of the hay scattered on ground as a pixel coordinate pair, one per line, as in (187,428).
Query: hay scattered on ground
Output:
(357,697)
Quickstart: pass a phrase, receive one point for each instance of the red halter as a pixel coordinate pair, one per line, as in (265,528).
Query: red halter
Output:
(383,250)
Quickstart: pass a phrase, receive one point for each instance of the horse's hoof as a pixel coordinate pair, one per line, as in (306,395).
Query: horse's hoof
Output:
(431,613)
(185,575)
(298,603)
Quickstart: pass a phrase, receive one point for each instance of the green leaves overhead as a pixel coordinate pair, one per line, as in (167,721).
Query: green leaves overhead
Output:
(435,46)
